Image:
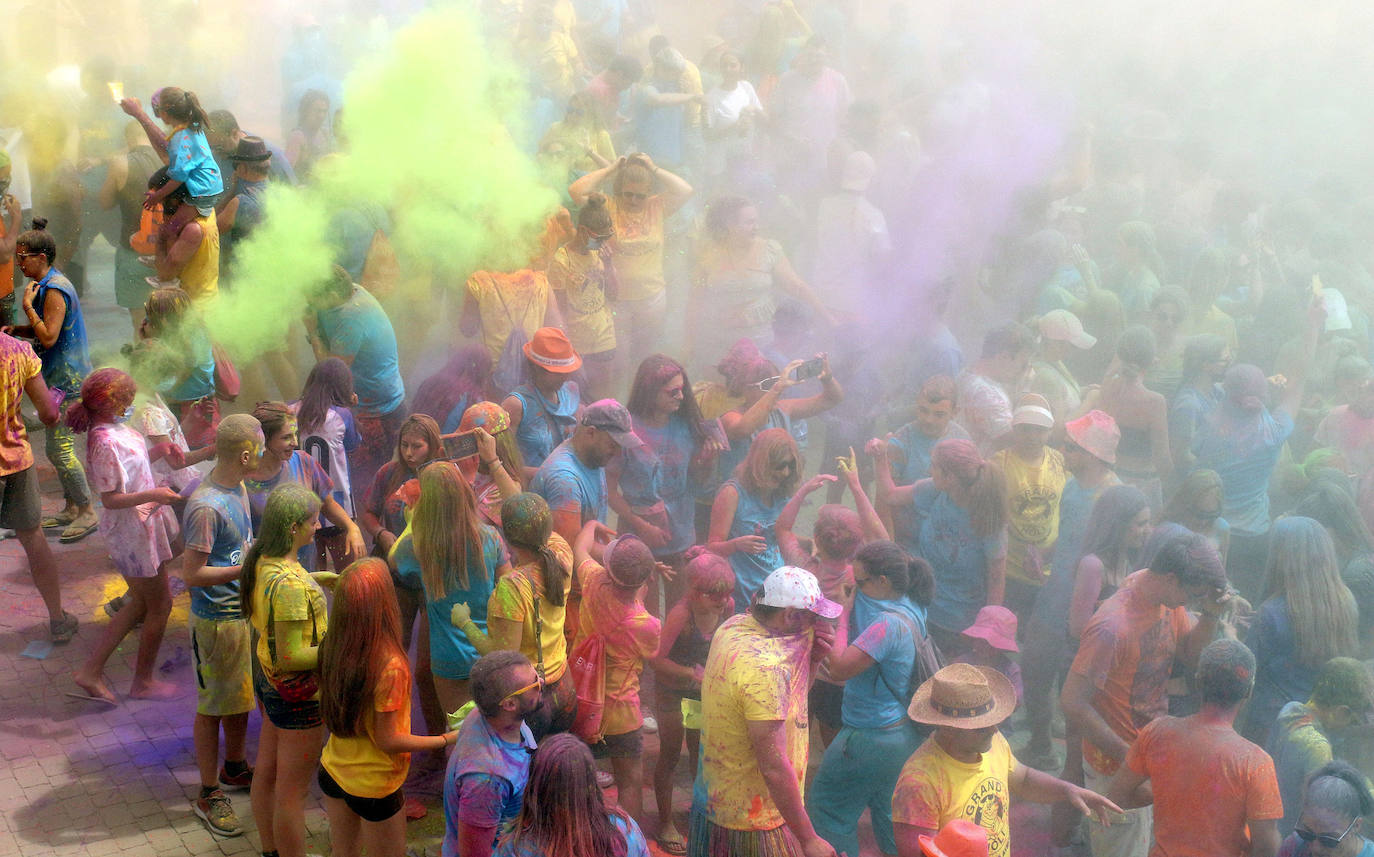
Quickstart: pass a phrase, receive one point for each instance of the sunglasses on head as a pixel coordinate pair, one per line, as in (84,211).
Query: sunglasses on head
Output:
(1325,839)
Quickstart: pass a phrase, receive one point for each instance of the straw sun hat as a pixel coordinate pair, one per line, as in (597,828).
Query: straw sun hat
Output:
(964,696)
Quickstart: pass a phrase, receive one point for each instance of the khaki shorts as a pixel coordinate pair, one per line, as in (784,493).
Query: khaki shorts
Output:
(224,678)
(21,504)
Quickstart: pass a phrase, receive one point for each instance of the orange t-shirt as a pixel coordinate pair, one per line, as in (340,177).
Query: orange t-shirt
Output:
(1208,783)
(1127,652)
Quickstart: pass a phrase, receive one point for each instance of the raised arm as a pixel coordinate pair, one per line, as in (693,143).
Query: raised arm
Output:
(831,394)
(580,189)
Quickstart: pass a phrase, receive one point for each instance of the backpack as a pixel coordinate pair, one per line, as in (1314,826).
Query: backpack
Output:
(587,664)
(925,664)
(511,369)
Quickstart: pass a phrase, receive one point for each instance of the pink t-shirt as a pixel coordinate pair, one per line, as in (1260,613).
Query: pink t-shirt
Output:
(631,637)
(138,537)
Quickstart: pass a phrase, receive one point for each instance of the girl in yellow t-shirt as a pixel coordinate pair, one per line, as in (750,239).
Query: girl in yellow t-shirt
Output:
(579,276)
(365,702)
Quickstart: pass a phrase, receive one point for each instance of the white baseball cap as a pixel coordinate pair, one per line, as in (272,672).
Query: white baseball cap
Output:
(1064,326)
(790,586)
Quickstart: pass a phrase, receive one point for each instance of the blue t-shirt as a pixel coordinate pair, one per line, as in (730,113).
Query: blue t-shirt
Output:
(217,522)
(917,447)
(544,424)
(1243,449)
(301,467)
(200,370)
(568,485)
(753,517)
(1075,506)
(451,652)
(190,162)
(484,783)
(359,329)
(958,555)
(635,843)
(871,698)
(658,472)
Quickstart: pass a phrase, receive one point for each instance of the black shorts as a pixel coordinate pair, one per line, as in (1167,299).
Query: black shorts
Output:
(372,809)
(626,745)
(826,702)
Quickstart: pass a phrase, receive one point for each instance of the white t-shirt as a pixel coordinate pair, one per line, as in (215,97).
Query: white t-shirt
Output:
(327,446)
(154,419)
(851,235)
(723,107)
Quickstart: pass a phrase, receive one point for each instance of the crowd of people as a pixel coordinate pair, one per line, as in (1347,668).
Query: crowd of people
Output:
(1112,482)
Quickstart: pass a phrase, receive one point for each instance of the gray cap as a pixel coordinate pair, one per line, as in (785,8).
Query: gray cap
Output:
(613,418)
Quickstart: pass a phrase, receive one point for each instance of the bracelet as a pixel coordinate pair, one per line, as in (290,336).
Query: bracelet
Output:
(489,463)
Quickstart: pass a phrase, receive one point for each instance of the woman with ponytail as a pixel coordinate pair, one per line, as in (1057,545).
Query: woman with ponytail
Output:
(527,609)
(286,608)
(960,516)
(861,766)
(365,702)
(184,148)
(139,530)
(564,813)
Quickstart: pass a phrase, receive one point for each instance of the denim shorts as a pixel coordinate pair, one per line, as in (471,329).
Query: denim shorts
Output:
(282,713)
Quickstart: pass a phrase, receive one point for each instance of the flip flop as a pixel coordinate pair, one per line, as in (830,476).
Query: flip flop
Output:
(76,534)
(78,695)
(676,847)
(58,520)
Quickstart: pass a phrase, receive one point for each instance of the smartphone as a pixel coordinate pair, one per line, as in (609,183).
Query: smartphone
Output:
(805,372)
(460,445)
(116,90)
(810,369)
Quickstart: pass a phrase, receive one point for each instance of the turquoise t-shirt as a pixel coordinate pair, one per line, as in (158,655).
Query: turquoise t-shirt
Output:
(451,653)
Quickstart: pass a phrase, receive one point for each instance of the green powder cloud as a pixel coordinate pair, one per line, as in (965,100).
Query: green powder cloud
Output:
(429,125)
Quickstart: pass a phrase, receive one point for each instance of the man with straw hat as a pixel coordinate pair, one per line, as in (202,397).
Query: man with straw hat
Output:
(966,769)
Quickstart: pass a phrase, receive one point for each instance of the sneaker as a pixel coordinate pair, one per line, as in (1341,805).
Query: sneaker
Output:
(235,781)
(650,724)
(62,630)
(218,813)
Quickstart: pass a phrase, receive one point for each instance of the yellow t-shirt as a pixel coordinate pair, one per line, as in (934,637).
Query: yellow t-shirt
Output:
(521,297)
(18,364)
(934,788)
(1033,491)
(357,764)
(513,599)
(200,277)
(638,249)
(751,675)
(581,277)
(298,598)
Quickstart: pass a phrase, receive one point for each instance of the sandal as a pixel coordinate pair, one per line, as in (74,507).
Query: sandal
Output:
(61,519)
(75,532)
(62,630)
(676,847)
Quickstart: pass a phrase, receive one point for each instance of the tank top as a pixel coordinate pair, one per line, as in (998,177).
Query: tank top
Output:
(753,517)
(200,277)
(689,650)
(67,363)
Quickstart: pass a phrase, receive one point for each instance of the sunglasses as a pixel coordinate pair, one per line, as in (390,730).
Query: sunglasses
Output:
(1326,840)
(788,467)
(29,255)
(537,683)
(637,197)
(714,594)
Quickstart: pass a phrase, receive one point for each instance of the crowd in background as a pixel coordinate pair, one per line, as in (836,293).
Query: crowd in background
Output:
(1095,480)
